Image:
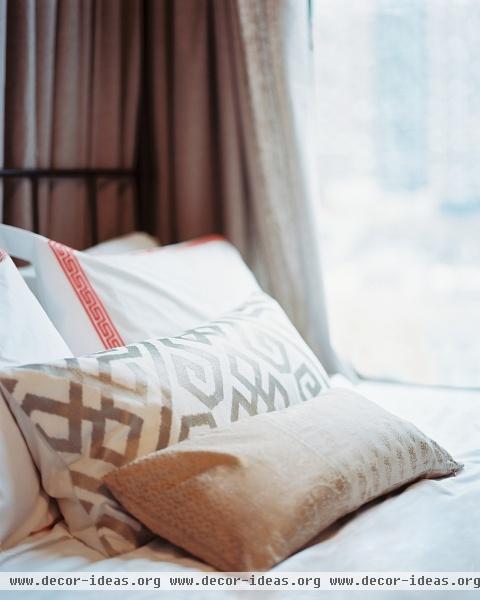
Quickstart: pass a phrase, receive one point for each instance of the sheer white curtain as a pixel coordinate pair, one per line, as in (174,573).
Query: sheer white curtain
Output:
(277,117)
(302,85)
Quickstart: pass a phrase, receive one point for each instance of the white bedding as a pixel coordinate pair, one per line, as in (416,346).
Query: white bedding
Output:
(430,526)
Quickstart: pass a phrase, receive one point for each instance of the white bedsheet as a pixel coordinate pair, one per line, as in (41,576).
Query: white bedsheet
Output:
(430,526)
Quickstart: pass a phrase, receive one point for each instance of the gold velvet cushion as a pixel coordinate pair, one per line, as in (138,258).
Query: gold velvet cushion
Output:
(83,417)
(244,497)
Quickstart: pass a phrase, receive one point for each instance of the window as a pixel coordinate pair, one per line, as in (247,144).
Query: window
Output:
(398,85)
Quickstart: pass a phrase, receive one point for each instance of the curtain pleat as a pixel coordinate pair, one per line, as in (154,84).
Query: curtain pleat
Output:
(184,118)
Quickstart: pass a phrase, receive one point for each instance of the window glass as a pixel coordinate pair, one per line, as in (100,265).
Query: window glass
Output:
(398,95)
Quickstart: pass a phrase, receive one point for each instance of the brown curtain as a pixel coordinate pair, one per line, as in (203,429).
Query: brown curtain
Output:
(70,98)
(232,89)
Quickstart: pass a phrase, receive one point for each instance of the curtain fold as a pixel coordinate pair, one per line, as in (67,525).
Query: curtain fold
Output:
(71,101)
(233,91)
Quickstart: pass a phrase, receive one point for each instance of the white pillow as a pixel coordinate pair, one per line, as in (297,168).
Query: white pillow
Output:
(26,333)
(26,336)
(130,242)
(136,240)
(101,302)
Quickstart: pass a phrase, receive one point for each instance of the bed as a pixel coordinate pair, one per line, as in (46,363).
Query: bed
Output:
(431,526)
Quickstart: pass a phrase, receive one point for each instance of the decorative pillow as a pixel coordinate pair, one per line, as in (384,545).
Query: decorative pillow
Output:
(101,302)
(246,496)
(26,335)
(84,417)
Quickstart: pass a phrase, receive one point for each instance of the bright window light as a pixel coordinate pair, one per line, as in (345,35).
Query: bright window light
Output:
(398,86)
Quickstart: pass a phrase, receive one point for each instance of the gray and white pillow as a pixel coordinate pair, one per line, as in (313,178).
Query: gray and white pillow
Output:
(84,417)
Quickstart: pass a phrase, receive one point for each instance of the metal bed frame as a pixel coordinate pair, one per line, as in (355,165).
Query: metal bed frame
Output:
(90,177)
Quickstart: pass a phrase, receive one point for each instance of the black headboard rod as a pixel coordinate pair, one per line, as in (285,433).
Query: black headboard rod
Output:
(89,176)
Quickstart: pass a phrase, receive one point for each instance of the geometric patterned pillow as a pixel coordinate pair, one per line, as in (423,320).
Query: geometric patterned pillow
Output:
(84,417)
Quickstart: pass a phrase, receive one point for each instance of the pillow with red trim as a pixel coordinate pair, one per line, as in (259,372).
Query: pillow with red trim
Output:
(102,302)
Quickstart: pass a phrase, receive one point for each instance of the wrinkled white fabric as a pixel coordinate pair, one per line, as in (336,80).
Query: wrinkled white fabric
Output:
(26,333)
(26,336)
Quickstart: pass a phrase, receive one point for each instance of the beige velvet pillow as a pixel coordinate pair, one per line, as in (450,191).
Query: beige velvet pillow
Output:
(246,496)
(86,416)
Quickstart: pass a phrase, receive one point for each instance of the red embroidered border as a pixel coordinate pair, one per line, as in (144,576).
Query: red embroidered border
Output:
(93,306)
(3,254)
